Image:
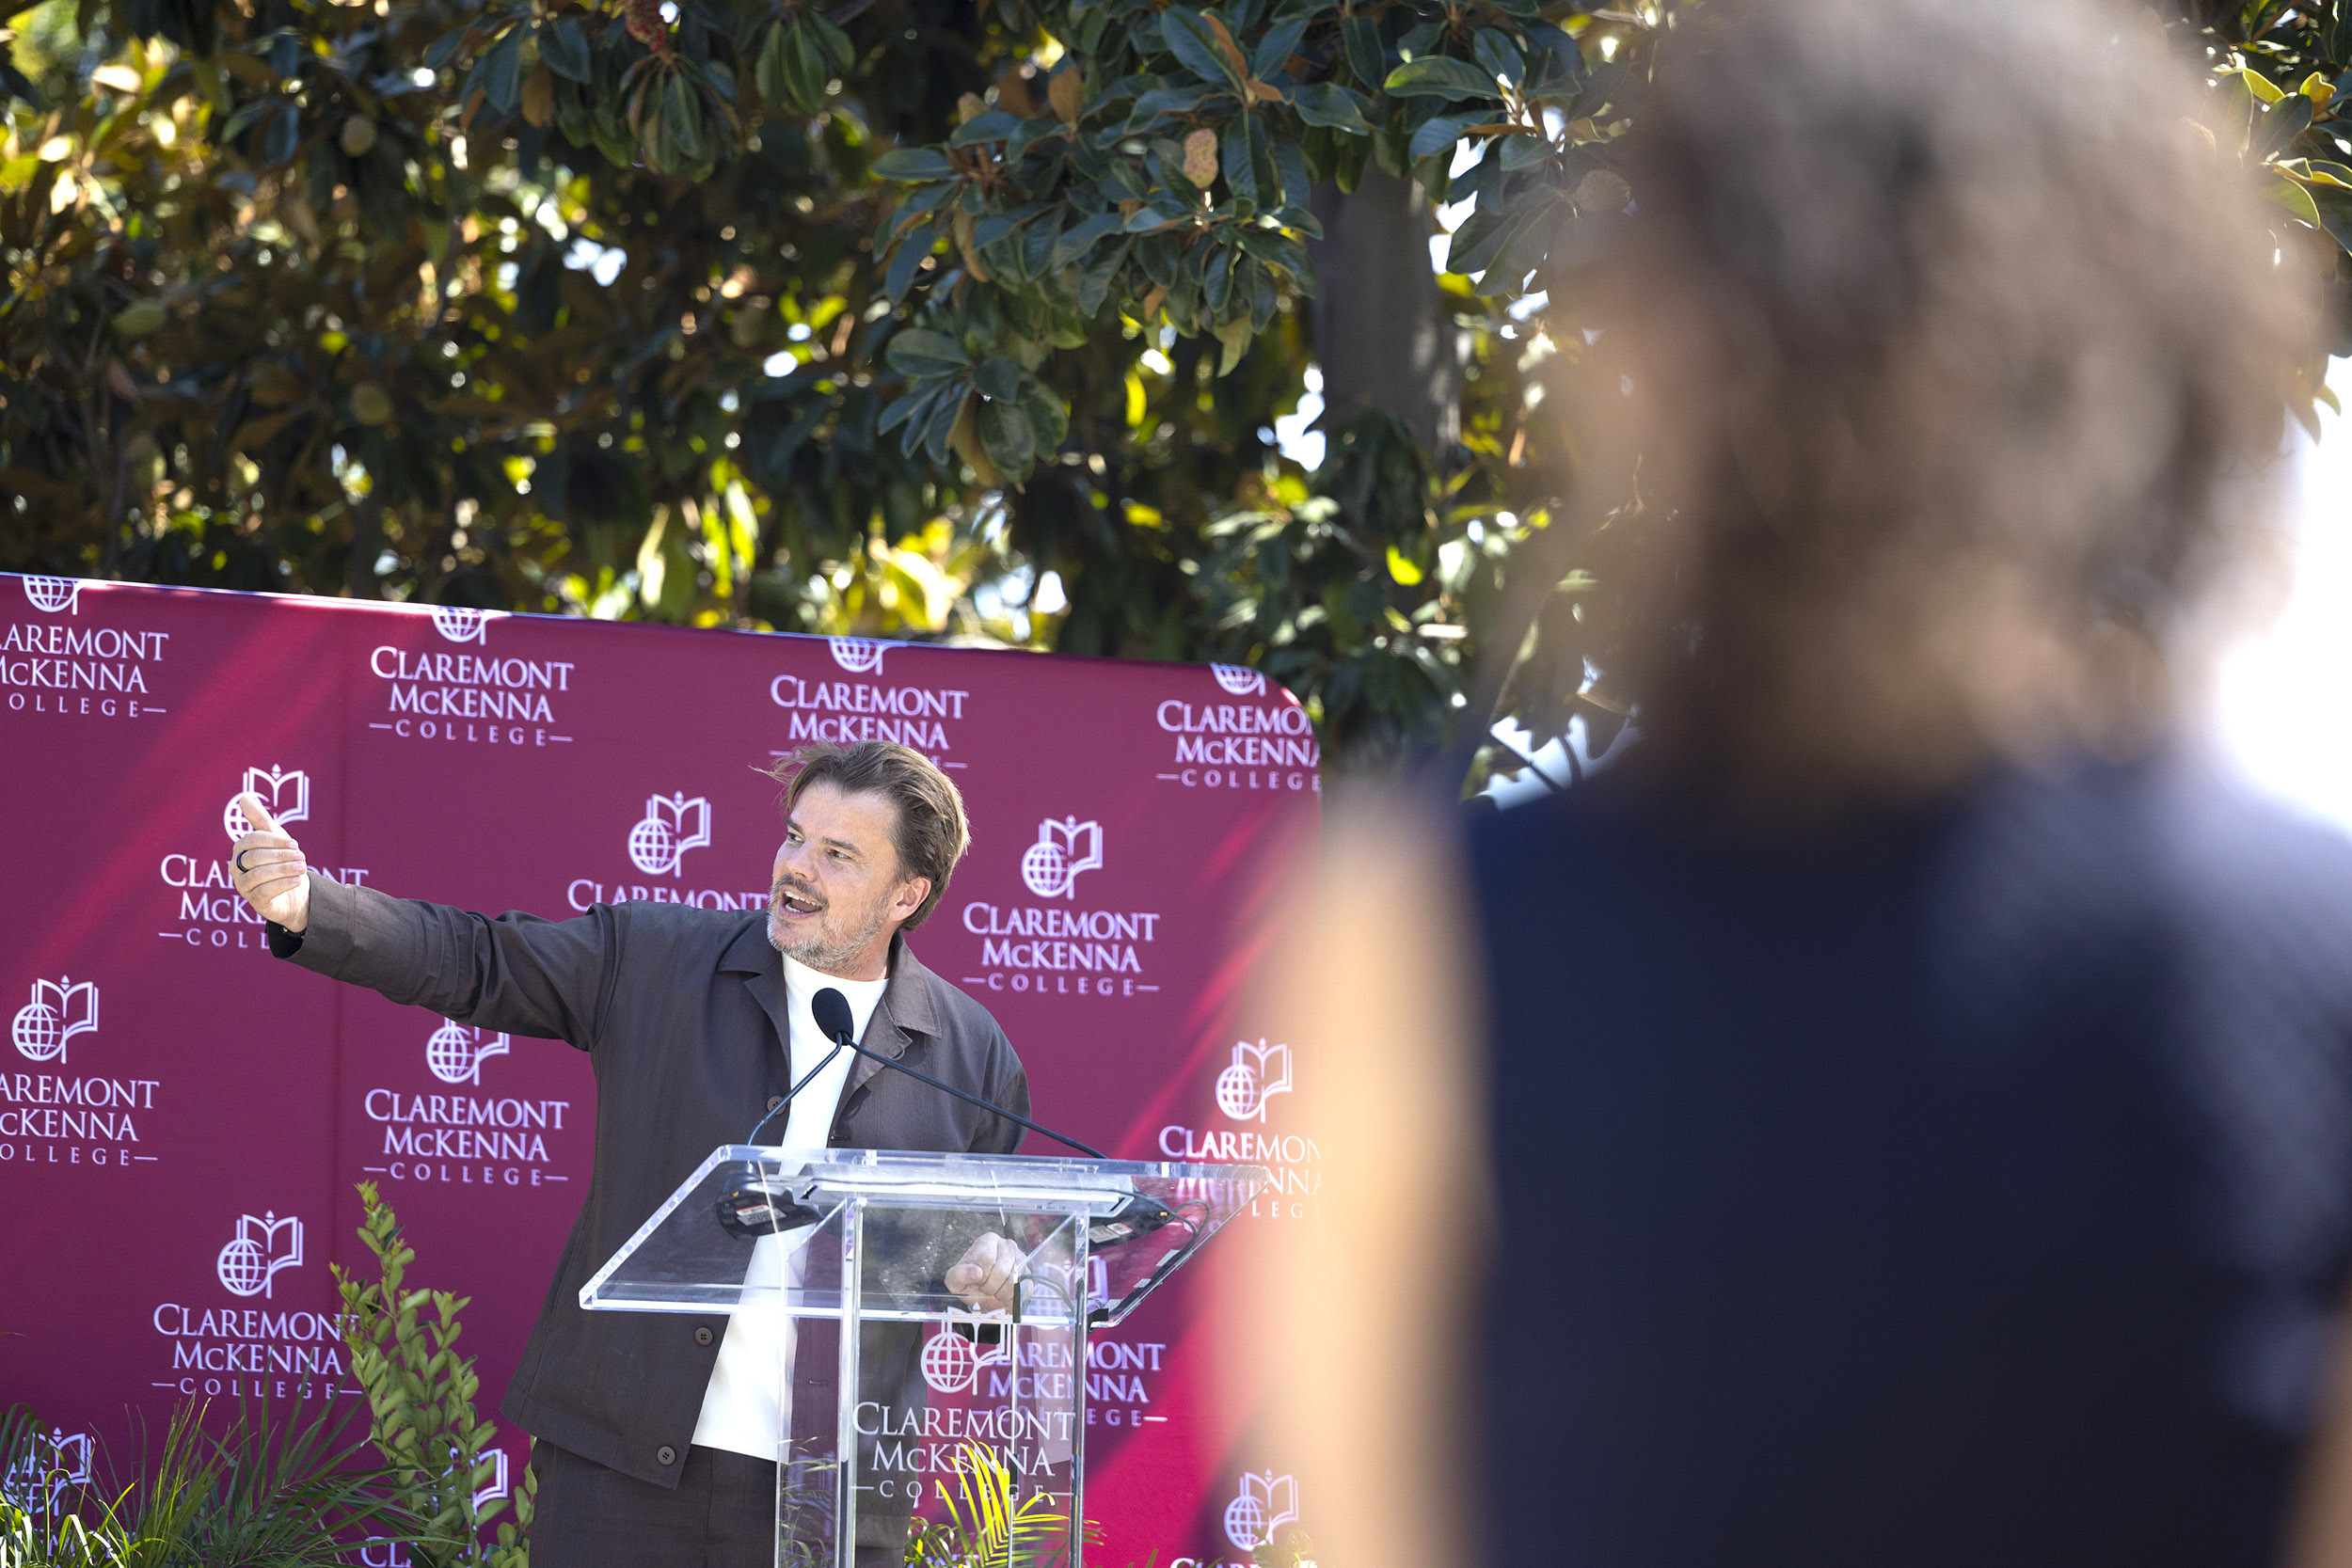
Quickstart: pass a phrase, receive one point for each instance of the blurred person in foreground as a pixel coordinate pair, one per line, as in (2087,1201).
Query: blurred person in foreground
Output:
(1902,1115)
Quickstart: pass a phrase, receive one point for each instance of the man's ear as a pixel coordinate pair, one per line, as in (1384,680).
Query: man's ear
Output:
(910,897)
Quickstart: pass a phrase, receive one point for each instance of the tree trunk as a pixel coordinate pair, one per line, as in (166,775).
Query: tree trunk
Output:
(1384,339)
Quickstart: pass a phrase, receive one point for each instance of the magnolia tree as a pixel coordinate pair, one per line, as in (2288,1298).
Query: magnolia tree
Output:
(906,317)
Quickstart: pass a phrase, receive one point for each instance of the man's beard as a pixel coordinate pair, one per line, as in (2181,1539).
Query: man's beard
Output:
(816,950)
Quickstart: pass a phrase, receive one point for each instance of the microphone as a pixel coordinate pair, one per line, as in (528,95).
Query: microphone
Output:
(748,1207)
(1135,1215)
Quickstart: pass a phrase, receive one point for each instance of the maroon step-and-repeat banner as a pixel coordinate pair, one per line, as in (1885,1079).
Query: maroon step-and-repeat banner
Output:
(183,1119)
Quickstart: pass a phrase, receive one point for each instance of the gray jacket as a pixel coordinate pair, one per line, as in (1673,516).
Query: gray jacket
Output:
(682,1014)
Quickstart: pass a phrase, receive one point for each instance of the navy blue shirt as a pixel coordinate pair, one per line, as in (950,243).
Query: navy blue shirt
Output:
(1974,1188)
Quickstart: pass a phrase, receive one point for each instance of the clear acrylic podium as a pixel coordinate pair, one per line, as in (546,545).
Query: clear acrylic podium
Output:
(894,1391)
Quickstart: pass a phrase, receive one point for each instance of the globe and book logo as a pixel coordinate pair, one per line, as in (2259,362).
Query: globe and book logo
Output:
(59,1010)
(860,656)
(952,1358)
(1264,1504)
(53,596)
(285,792)
(672,825)
(52,1463)
(1063,850)
(1239,679)
(455,1053)
(459,624)
(259,1250)
(1256,1074)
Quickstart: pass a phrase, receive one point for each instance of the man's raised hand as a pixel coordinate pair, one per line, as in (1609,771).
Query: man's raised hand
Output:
(269,869)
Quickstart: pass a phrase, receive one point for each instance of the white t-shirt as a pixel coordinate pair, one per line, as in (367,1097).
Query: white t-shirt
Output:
(748,1406)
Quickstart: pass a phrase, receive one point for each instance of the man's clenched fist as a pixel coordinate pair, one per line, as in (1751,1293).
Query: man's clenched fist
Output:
(987,1275)
(269,869)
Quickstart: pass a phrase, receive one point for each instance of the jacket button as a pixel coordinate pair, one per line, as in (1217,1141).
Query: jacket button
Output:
(702,1336)
(775,1100)
(665,1454)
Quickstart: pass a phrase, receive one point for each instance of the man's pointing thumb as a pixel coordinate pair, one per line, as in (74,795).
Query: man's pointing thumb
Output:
(256,814)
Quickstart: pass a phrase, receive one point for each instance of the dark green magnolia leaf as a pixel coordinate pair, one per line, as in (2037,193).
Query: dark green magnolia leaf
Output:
(1095,287)
(839,52)
(1290,168)
(908,261)
(1279,43)
(612,141)
(915,163)
(909,407)
(1475,239)
(918,350)
(1264,297)
(997,378)
(1032,131)
(1562,48)
(238,122)
(654,144)
(718,79)
(502,71)
(1349,158)
(1080,238)
(444,48)
(936,431)
(1314,152)
(1440,133)
(1366,58)
(571,114)
(1193,41)
(1329,104)
(682,121)
(1167,100)
(771,66)
(1515,153)
(1049,422)
(997,225)
(1006,434)
(2281,124)
(1521,251)
(563,44)
(1161,212)
(1261,163)
(1037,244)
(805,69)
(285,136)
(1123,181)
(1441,77)
(1498,56)
(1241,175)
(994,125)
(1281,251)
(1217,285)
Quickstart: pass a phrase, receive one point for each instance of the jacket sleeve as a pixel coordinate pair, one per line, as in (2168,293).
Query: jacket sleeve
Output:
(1007,1086)
(517,973)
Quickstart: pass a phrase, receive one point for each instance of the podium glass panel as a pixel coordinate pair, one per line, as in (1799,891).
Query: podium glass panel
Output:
(901,1400)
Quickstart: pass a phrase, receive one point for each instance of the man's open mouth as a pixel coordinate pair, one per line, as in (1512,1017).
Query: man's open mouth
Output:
(800,903)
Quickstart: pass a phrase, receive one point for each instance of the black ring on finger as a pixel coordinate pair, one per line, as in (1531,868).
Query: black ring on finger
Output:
(239,861)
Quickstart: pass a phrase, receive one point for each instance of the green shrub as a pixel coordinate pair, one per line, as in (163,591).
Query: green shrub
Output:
(422,1391)
(284,1492)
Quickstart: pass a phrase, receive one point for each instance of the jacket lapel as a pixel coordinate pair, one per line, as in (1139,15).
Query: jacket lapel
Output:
(750,955)
(905,1011)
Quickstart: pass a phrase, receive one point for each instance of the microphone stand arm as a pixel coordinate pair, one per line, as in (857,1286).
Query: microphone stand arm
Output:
(921,1076)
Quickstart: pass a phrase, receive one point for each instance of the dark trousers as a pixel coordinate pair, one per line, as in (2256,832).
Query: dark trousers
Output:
(722,1515)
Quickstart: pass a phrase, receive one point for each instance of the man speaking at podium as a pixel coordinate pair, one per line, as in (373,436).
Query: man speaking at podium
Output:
(658,1434)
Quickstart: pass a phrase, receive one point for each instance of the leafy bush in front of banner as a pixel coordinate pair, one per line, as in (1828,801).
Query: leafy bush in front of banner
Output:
(987,1526)
(286,1490)
(420,1392)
